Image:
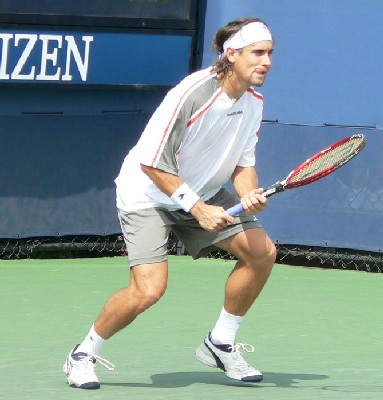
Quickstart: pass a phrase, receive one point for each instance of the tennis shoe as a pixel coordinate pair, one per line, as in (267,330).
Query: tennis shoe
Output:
(79,369)
(229,359)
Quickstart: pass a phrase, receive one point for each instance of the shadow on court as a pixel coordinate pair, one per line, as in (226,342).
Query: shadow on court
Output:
(184,379)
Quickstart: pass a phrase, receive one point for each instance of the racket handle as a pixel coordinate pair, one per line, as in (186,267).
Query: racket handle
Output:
(235,210)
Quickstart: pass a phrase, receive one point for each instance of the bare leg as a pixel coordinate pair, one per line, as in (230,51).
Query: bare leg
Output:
(147,285)
(256,256)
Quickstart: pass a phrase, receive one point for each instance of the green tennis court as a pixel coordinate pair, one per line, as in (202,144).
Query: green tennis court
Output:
(317,333)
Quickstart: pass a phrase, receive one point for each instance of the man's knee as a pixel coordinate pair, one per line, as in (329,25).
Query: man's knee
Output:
(154,293)
(272,253)
(149,295)
(149,284)
(261,258)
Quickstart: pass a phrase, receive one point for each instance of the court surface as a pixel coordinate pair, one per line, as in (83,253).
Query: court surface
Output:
(317,333)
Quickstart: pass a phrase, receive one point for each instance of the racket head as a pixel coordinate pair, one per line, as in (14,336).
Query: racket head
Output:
(326,161)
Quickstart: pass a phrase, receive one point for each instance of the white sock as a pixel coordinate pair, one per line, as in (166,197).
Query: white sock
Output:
(92,343)
(226,328)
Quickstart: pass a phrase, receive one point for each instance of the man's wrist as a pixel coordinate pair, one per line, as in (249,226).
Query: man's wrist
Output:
(185,197)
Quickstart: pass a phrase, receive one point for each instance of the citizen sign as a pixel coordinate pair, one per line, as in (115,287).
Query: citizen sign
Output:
(43,57)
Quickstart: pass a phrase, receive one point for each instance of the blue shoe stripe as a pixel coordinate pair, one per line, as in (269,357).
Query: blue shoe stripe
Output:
(216,358)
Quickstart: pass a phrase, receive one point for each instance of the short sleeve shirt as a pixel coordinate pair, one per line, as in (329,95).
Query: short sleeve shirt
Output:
(197,133)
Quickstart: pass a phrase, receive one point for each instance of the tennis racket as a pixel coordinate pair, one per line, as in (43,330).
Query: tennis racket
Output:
(316,167)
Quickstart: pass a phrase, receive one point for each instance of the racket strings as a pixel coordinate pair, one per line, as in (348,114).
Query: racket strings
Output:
(327,161)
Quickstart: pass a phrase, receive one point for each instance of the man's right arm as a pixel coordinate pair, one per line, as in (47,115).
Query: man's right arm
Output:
(211,218)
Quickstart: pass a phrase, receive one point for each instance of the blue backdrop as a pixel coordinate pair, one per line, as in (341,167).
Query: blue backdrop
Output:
(326,71)
(61,150)
(62,145)
(327,59)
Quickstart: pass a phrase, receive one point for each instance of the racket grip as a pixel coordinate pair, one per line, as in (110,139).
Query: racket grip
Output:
(235,210)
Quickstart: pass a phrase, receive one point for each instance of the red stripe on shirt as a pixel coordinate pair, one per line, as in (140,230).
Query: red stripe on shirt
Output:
(191,121)
(259,97)
(255,94)
(174,113)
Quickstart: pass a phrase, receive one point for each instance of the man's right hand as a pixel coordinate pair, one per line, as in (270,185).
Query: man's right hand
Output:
(211,218)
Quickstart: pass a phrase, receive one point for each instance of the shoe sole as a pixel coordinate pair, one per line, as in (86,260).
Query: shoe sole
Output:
(250,379)
(88,386)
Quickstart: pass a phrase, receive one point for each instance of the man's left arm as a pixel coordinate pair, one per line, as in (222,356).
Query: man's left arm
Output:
(245,183)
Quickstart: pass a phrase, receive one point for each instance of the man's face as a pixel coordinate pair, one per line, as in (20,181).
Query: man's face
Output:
(252,63)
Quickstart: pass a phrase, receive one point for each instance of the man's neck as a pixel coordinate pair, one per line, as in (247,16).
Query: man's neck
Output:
(232,88)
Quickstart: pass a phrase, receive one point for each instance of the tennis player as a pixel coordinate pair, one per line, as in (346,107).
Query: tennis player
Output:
(203,134)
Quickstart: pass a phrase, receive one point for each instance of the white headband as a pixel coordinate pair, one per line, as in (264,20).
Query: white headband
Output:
(249,34)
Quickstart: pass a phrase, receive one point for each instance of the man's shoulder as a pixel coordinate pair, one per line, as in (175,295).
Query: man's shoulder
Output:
(197,77)
(254,94)
(196,88)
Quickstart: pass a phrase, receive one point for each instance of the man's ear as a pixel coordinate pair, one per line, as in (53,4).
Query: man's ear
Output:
(230,54)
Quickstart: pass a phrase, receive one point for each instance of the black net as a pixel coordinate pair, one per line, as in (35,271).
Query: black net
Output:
(112,246)
(61,247)
(330,257)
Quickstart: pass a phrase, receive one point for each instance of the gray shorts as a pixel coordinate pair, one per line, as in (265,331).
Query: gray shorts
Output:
(146,231)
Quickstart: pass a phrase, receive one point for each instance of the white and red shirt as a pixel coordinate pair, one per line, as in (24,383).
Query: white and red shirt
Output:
(197,133)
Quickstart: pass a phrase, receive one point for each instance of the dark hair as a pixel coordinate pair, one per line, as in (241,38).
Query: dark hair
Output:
(222,66)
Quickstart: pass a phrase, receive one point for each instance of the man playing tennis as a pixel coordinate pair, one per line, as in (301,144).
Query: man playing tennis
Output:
(203,134)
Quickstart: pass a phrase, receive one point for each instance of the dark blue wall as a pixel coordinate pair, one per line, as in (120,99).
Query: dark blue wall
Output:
(76,90)
(61,150)
(63,141)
